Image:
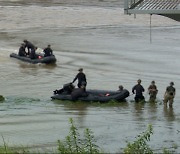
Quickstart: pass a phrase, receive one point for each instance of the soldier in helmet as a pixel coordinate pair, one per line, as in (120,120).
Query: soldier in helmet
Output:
(29,46)
(138,90)
(48,51)
(121,88)
(22,51)
(152,89)
(81,77)
(169,94)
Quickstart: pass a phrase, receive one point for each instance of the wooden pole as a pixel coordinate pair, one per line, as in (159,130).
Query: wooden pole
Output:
(150,29)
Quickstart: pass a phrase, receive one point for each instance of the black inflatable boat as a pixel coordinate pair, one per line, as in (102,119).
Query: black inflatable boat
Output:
(95,96)
(45,60)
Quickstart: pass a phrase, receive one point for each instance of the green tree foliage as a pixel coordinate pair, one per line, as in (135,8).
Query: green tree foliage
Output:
(140,146)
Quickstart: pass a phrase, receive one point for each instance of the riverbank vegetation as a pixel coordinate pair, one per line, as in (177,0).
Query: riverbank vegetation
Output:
(74,143)
(1,98)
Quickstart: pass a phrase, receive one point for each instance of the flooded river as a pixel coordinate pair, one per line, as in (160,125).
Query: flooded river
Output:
(113,49)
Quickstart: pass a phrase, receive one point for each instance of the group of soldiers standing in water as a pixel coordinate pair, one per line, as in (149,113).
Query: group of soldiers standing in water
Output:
(152,90)
(31,50)
(138,89)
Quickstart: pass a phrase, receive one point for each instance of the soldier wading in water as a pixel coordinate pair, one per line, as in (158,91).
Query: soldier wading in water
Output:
(169,94)
(152,89)
(138,91)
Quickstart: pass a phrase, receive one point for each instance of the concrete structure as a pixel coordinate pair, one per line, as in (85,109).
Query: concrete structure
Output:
(168,8)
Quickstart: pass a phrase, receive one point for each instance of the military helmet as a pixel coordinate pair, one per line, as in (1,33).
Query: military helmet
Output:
(153,82)
(139,80)
(171,83)
(81,69)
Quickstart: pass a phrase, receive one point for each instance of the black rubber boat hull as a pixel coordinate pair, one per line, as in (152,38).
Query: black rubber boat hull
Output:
(96,96)
(45,60)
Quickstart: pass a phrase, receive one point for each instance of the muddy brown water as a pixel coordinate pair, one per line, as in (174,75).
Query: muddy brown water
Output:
(113,49)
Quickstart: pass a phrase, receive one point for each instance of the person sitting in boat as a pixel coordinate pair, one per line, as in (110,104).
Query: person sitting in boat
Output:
(22,51)
(81,78)
(79,92)
(138,90)
(29,46)
(33,53)
(48,51)
(121,88)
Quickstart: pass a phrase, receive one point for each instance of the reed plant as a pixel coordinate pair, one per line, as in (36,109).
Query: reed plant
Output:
(75,144)
(140,146)
(5,149)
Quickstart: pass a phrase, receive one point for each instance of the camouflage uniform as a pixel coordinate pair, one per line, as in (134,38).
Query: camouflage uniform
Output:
(169,94)
(152,92)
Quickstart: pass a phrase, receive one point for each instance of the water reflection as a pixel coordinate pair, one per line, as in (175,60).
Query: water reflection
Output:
(81,109)
(139,107)
(27,68)
(169,113)
(28,65)
(77,108)
(152,106)
(122,105)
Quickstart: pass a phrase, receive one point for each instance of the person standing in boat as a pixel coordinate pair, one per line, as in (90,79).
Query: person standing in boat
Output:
(29,46)
(48,51)
(81,78)
(152,89)
(138,90)
(169,94)
(22,51)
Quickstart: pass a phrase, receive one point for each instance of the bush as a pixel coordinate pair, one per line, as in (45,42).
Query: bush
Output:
(140,146)
(74,144)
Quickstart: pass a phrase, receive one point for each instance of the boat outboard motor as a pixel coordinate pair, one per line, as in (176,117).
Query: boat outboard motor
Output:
(60,91)
(68,87)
